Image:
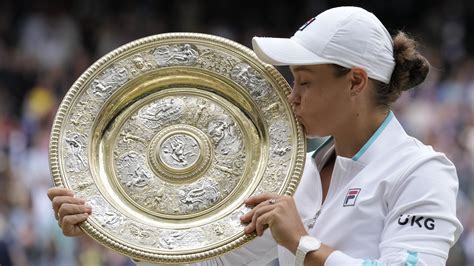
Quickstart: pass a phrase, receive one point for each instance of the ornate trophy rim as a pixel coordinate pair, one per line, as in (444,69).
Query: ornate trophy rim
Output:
(60,178)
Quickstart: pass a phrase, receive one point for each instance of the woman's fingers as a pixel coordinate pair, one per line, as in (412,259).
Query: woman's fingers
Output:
(58,201)
(59,191)
(247,218)
(70,223)
(263,222)
(255,200)
(253,216)
(68,209)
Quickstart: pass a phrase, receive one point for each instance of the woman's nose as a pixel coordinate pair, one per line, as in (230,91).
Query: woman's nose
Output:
(293,97)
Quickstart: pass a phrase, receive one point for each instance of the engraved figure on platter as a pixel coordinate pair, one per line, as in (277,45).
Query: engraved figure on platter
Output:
(99,87)
(143,235)
(199,196)
(280,138)
(75,159)
(105,216)
(180,239)
(140,64)
(225,135)
(157,113)
(180,150)
(108,218)
(201,108)
(178,153)
(248,77)
(128,137)
(118,74)
(156,199)
(171,239)
(110,80)
(78,120)
(218,229)
(212,60)
(131,170)
(139,178)
(180,54)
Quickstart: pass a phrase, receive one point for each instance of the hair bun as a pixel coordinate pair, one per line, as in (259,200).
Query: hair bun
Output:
(411,68)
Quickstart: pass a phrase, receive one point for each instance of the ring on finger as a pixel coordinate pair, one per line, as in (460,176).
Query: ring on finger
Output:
(272,201)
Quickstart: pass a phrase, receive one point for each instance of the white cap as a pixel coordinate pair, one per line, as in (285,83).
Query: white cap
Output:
(346,36)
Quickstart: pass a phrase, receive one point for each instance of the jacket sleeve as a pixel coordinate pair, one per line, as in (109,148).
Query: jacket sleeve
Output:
(421,224)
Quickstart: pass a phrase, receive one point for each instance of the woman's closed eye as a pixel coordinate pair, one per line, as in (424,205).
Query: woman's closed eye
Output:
(303,83)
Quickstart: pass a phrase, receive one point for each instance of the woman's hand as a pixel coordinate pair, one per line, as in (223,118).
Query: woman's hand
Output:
(68,210)
(278,213)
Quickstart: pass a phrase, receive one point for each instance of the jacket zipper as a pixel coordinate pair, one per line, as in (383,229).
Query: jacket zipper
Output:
(313,220)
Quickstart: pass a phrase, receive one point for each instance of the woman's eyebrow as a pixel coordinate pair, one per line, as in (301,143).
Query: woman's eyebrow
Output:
(300,68)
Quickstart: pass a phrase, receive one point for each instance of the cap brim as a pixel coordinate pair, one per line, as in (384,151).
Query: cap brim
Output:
(284,51)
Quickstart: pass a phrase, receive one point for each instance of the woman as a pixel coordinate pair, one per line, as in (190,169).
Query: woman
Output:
(371,194)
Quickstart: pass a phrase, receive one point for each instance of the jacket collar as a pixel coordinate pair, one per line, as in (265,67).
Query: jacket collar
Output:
(389,134)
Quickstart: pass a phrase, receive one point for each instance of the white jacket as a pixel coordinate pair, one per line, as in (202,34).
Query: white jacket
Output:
(393,203)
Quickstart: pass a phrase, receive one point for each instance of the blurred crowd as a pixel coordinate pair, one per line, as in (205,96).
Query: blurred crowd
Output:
(46,45)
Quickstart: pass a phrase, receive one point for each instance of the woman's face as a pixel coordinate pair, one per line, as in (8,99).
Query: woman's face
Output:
(320,99)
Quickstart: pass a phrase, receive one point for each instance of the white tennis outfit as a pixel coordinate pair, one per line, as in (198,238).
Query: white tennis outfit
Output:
(393,203)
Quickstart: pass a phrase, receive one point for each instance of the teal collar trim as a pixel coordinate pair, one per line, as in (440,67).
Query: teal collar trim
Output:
(328,140)
(372,263)
(412,258)
(374,136)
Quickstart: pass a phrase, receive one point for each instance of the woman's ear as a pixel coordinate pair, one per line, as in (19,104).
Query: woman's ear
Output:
(359,81)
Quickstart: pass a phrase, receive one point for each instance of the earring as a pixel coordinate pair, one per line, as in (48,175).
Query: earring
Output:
(353,93)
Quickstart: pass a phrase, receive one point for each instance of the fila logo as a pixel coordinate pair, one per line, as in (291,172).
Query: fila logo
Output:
(420,221)
(351,197)
(307,24)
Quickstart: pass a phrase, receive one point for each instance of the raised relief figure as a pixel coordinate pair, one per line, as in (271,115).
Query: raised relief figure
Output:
(246,76)
(139,65)
(201,109)
(75,153)
(105,216)
(179,54)
(181,239)
(130,168)
(156,114)
(180,151)
(225,135)
(110,80)
(279,132)
(143,235)
(199,196)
